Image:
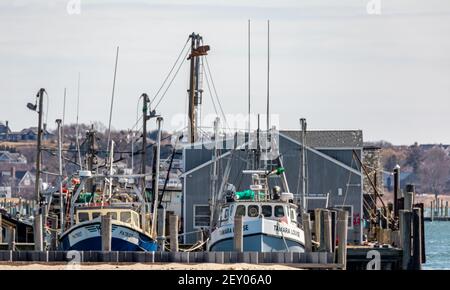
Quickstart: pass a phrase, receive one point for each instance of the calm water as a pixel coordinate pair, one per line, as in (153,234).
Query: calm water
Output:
(437,245)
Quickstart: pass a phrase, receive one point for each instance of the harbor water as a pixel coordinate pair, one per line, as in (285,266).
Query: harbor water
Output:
(437,245)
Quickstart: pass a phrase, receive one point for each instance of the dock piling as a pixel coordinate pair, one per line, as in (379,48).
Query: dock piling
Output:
(306,221)
(417,239)
(341,229)
(11,239)
(238,234)
(173,229)
(1,228)
(161,228)
(405,234)
(446,208)
(327,237)
(106,232)
(38,232)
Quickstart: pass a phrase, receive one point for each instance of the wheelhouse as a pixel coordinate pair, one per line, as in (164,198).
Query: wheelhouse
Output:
(274,211)
(123,215)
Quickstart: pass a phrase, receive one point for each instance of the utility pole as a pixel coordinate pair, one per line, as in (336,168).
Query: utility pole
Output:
(40,96)
(304,186)
(61,198)
(197,50)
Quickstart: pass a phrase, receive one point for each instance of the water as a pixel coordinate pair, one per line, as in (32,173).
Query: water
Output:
(437,245)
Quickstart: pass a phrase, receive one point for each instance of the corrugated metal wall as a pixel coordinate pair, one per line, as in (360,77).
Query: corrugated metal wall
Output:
(325,175)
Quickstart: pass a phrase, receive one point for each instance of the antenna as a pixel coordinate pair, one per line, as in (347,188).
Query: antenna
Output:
(112,99)
(268,74)
(76,127)
(249,111)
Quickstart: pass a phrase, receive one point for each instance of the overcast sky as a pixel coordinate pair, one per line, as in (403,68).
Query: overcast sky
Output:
(331,61)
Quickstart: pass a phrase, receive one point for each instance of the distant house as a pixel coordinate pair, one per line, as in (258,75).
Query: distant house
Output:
(20,182)
(8,157)
(27,134)
(5,191)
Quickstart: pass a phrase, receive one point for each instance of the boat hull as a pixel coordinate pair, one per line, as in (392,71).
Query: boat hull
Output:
(87,237)
(259,243)
(260,235)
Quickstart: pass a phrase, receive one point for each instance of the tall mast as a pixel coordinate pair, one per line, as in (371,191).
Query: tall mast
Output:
(304,185)
(249,98)
(197,50)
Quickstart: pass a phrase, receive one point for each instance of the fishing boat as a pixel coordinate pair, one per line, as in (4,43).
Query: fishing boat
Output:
(269,218)
(122,204)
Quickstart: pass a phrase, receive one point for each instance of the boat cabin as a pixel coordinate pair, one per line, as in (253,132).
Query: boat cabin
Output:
(124,215)
(249,209)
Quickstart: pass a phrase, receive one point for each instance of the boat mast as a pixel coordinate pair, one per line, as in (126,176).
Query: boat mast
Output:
(214,175)
(304,185)
(156,175)
(195,91)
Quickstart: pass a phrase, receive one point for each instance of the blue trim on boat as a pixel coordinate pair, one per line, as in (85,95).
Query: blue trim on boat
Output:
(145,243)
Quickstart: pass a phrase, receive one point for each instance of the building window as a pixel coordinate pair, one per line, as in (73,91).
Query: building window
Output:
(201,215)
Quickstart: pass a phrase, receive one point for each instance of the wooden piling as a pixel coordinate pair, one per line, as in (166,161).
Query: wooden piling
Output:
(341,229)
(12,239)
(417,239)
(327,237)
(442,207)
(317,225)
(405,234)
(38,232)
(306,221)
(1,228)
(54,234)
(432,211)
(161,228)
(106,232)
(409,201)
(238,234)
(446,208)
(173,230)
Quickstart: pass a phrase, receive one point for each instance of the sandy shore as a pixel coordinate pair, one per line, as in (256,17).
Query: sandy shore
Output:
(139,266)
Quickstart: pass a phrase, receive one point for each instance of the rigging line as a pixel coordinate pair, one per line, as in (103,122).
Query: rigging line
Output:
(348,182)
(112,99)
(171,81)
(77,129)
(216,95)
(210,93)
(170,72)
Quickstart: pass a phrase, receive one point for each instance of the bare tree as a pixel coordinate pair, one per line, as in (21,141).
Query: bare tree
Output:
(435,170)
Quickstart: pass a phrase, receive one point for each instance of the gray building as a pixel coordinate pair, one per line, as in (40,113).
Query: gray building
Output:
(333,175)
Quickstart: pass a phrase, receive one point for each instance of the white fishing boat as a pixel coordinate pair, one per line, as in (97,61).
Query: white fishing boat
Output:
(269,218)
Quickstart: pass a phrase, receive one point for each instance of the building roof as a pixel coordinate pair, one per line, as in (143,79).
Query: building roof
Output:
(328,138)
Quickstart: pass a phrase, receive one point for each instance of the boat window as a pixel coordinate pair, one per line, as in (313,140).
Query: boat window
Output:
(253,210)
(293,216)
(279,211)
(95,215)
(267,210)
(225,214)
(113,215)
(240,210)
(83,216)
(136,219)
(125,217)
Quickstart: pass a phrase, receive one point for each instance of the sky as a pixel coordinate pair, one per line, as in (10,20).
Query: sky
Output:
(339,64)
